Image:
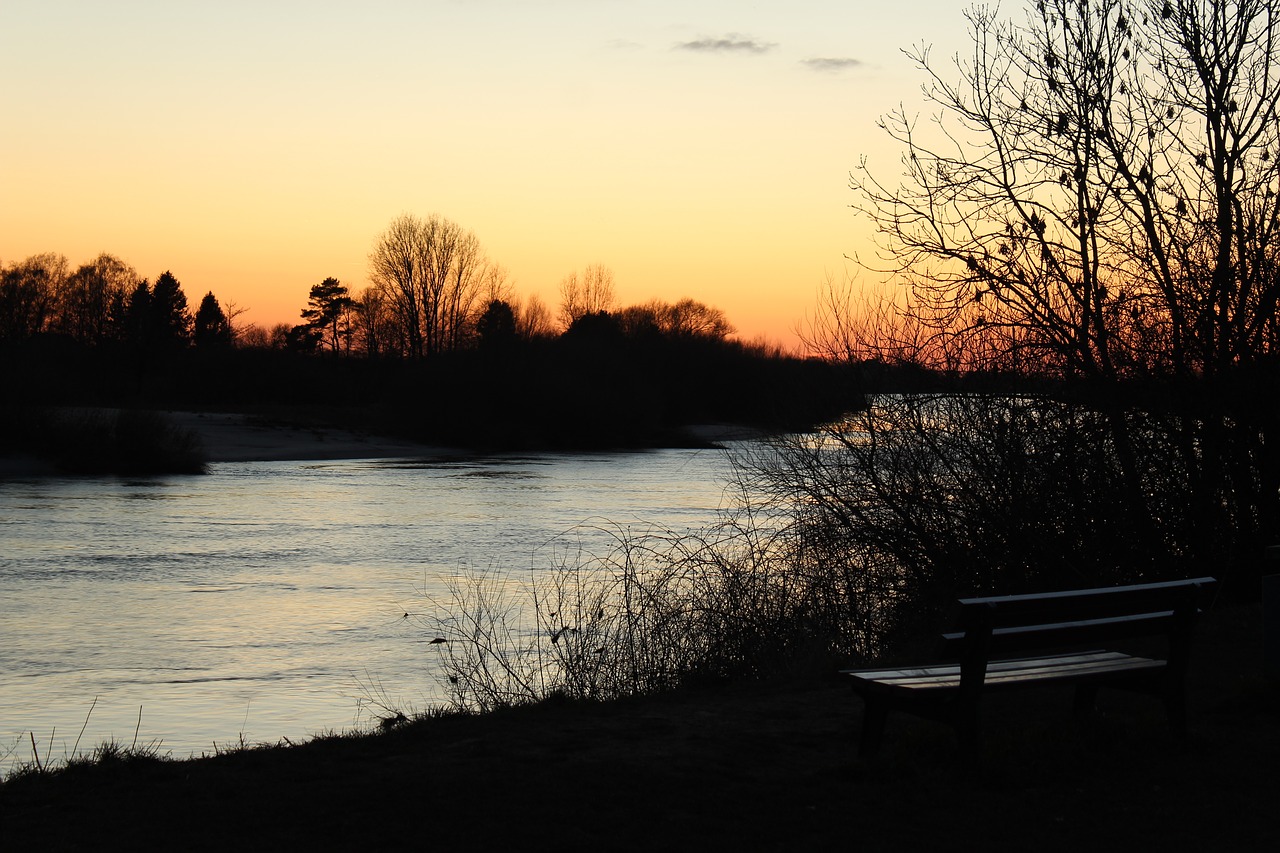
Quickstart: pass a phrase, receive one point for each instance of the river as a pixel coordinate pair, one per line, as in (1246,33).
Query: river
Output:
(268,600)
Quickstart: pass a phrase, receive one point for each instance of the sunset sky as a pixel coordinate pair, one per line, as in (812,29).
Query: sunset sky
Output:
(254,148)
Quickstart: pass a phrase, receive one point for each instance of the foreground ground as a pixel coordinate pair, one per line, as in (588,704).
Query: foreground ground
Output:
(761,767)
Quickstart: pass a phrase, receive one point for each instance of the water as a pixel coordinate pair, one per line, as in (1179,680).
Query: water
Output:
(267,600)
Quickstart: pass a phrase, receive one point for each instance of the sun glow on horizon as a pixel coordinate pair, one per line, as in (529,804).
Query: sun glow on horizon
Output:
(698,150)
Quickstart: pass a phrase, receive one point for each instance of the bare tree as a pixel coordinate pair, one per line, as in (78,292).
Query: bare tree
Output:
(1098,198)
(855,322)
(690,318)
(431,273)
(1097,201)
(252,336)
(397,269)
(586,293)
(85,300)
(686,318)
(373,324)
(496,284)
(29,293)
(534,320)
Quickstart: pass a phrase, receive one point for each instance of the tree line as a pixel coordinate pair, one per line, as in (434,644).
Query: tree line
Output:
(437,347)
(104,302)
(434,291)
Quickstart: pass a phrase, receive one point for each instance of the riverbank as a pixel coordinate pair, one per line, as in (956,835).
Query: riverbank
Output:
(230,437)
(747,767)
(285,434)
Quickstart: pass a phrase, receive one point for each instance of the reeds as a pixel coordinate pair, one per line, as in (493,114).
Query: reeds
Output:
(108,751)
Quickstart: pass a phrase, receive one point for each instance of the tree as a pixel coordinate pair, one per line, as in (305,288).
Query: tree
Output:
(496,327)
(211,326)
(495,284)
(588,293)
(328,312)
(535,319)
(170,318)
(372,324)
(431,272)
(1097,204)
(86,301)
(302,338)
(686,318)
(639,321)
(690,318)
(153,319)
(28,295)
(253,336)
(1102,202)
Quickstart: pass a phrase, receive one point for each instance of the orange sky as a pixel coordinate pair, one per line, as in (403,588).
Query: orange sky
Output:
(255,148)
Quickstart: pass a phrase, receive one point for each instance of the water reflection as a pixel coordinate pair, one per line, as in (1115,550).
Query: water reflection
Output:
(265,599)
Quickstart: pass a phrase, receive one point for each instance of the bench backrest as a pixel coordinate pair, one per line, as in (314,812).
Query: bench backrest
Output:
(1013,624)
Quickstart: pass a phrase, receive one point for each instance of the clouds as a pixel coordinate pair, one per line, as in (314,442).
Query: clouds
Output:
(832,64)
(732,43)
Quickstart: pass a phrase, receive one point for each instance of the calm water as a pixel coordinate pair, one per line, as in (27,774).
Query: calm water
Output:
(266,599)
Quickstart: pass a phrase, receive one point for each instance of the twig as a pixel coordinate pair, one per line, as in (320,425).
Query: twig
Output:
(36,752)
(136,728)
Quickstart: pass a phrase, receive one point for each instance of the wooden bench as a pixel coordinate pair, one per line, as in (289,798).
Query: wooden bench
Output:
(1016,641)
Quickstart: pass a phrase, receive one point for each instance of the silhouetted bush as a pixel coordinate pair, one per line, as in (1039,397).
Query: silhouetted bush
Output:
(104,441)
(844,543)
(657,611)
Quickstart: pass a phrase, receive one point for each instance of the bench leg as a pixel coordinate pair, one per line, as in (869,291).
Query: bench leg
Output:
(873,719)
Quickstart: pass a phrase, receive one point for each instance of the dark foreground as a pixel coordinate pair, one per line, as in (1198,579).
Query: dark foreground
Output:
(742,768)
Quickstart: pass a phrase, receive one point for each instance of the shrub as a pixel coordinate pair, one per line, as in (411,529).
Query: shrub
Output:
(105,441)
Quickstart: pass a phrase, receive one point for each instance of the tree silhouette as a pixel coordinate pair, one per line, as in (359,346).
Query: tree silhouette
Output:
(89,297)
(496,327)
(1096,203)
(170,319)
(431,272)
(590,292)
(28,295)
(328,312)
(1100,200)
(211,327)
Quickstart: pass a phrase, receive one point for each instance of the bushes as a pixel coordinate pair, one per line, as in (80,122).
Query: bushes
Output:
(658,611)
(104,441)
(843,544)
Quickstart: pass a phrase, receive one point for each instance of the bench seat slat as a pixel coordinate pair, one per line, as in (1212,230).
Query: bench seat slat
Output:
(1078,667)
(1010,663)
